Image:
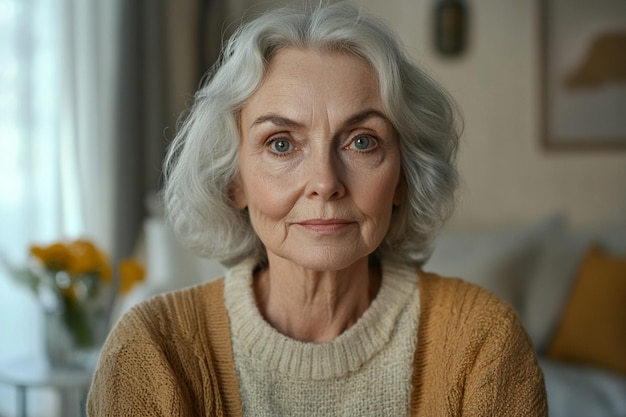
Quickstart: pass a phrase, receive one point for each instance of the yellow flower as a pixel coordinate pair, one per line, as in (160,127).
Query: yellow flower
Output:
(85,258)
(106,272)
(130,273)
(55,257)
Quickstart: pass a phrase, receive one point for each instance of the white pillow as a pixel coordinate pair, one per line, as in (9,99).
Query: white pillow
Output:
(550,282)
(496,260)
(582,391)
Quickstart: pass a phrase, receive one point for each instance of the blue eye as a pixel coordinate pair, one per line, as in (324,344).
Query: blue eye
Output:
(363,143)
(280,146)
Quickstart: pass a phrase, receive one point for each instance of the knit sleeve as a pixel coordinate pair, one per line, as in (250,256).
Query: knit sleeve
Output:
(505,379)
(473,357)
(134,376)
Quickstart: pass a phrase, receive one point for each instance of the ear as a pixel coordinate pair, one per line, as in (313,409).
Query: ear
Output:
(238,194)
(399,194)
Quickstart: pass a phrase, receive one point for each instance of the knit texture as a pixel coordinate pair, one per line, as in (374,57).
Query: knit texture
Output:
(473,357)
(172,356)
(366,371)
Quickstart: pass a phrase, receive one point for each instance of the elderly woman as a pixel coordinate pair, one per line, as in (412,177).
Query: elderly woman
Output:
(317,162)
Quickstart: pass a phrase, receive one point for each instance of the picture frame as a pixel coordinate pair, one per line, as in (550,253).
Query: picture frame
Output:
(583,74)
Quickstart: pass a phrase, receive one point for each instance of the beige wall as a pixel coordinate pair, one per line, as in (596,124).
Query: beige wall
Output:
(508,177)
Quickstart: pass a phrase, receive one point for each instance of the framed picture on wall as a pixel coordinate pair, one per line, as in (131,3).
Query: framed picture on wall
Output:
(583,48)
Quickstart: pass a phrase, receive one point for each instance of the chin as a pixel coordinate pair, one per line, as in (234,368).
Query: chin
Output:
(327,258)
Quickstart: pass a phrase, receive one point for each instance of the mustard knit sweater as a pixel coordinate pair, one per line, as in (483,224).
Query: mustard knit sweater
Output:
(172,356)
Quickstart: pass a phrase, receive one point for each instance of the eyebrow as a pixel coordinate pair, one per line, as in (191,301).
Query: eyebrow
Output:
(364,115)
(286,122)
(277,120)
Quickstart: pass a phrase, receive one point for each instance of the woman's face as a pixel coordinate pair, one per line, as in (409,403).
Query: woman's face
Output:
(319,160)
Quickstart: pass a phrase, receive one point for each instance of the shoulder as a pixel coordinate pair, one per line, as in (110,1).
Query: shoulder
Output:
(472,345)
(162,342)
(462,321)
(172,316)
(455,310)
(460,298)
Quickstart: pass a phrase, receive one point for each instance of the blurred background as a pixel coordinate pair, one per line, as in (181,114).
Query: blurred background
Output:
(91,92)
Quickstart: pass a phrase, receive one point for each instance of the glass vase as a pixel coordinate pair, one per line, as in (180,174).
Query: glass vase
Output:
(73,338)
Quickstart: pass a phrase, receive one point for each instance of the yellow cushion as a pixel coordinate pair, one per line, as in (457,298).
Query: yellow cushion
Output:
(592,329)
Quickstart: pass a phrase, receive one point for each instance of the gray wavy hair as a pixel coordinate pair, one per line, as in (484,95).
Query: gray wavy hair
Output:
(202,160)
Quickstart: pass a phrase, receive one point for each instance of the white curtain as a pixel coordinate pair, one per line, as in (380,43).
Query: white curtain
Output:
(57,72)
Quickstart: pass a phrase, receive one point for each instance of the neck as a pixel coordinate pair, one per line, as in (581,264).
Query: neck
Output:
(314,306)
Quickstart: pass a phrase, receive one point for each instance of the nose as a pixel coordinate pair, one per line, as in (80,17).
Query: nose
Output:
(324,177)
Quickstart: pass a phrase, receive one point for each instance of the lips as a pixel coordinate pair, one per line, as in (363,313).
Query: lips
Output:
(326,226)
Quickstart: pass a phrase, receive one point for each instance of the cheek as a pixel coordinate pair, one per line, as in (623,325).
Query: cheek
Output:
(267,199)
(376,194)
(379,211)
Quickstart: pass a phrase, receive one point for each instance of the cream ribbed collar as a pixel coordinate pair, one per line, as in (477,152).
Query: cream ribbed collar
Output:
(338,357)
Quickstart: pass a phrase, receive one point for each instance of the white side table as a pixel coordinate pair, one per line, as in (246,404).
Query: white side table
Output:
(71,384)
